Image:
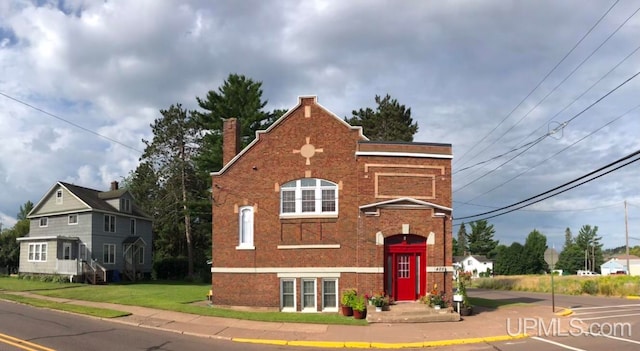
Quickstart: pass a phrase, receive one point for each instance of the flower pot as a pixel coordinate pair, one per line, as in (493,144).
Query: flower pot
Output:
(436,307)
(378,308)
(347,311)
(359,314)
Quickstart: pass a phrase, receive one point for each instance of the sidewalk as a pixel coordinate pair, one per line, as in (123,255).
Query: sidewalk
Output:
(484,325)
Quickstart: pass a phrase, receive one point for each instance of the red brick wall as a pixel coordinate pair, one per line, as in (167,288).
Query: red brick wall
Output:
(253,180)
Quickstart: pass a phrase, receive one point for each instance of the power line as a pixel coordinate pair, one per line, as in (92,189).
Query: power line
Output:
(636,153)
(70,123)
(539,84)
(562,126)
(557,153)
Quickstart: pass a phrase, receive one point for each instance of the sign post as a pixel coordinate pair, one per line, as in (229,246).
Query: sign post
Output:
(551,257)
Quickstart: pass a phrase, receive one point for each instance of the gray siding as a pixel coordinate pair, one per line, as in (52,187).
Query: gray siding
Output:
(69,203)
(59,225)
(47,267)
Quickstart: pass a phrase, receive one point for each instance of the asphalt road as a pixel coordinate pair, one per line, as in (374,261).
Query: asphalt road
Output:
(597,323)
(27,328)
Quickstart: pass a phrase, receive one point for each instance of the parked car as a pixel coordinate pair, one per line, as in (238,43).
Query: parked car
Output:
(587,273)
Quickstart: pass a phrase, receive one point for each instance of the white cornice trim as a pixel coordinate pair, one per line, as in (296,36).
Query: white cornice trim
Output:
(48,237)
(302,247)
(297,270)
(401,154)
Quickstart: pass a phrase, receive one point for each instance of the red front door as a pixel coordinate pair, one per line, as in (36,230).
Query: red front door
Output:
(405,271)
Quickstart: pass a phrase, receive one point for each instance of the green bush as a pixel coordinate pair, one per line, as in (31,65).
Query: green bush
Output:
(172,268)
(589,287)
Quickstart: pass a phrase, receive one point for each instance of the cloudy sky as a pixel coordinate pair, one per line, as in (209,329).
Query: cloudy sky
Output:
(486,76)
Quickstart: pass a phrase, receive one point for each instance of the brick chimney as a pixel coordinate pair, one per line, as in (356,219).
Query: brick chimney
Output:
(231,139)
(114,185)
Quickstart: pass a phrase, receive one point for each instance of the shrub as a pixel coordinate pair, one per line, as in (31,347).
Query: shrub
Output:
(348,297)
(171,268)
(589,287)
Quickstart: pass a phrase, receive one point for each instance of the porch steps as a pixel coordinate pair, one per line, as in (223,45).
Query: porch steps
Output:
(411,312)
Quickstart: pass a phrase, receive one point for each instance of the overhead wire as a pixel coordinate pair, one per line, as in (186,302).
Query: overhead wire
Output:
(69,122)
(526,201)
(539,83)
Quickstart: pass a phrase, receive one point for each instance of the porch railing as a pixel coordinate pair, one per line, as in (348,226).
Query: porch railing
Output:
(67,266)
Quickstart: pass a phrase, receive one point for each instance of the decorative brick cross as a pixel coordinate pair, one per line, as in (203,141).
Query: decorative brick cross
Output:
(307,151)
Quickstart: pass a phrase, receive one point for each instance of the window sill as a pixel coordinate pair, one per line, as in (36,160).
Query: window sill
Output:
(245,247)
(309,215)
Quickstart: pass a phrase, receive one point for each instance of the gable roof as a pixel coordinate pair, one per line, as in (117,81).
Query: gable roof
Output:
(93,199)
(480,258)
(406,202)
(277,122)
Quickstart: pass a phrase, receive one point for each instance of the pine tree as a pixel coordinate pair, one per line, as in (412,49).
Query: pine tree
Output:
(389,122)
(462,240)
(480,240)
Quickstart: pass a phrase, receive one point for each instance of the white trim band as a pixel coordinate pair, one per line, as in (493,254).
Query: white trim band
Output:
(439,269)
(298,247)
(297,270)
(401,154)
(309,275)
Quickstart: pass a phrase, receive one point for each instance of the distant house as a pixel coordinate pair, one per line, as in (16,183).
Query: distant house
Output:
(618,264)
(87,234)
(476,264)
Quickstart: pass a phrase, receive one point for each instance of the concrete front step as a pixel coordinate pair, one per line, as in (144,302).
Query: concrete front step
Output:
(411,312)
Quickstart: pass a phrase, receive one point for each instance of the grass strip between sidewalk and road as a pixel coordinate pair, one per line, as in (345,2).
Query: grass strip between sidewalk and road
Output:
(90,311)
(478,301)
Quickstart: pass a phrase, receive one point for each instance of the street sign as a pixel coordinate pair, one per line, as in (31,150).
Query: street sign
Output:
(551,257)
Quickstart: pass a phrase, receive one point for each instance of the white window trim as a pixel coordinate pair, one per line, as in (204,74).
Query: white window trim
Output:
(111,218)
(295,295)
(330,308)
(248,245)
(141,255)
(318,199)
(59,197)
(38,248)
(105,246)
(46,222)
(125,205)
(69,219)
(313,308)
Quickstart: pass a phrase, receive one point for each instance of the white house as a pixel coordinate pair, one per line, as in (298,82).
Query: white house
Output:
(619,264)
(476,264)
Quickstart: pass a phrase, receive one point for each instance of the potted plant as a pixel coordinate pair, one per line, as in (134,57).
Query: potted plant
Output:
(379,301)
(465,306)
(359,307)
(347,301)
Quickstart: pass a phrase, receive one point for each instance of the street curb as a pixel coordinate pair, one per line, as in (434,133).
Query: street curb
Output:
(633,297)
(380,345)
(565,312)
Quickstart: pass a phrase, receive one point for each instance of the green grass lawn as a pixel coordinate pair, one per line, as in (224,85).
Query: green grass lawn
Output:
(90,311)
(165,295)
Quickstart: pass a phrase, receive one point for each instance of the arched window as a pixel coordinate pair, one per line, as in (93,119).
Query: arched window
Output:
(245,228)
(308,197)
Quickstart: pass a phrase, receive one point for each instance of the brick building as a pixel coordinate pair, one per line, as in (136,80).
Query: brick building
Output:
(312,207)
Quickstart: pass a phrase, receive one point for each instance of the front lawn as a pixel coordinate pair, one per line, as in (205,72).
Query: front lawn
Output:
(165,295)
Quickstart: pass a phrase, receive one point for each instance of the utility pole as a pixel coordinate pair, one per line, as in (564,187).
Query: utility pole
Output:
(626,231)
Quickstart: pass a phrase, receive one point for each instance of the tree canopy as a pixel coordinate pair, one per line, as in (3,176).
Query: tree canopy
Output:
(480,239)
(390,121)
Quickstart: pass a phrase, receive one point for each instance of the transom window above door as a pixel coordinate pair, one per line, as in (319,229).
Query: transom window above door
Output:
(308,197)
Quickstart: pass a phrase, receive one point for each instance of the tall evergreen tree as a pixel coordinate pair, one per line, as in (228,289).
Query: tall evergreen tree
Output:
(462,240)
(9,246)
(533,258)
(238,97)
(168,165)
(480,240)
(391,121)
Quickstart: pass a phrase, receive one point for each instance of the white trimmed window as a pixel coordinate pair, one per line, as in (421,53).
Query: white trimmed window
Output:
(125,205)
(66,251)
(109,223)
(44,221)
(59,196)
(133,226)
(308,295)
(245,228)
(141,255)
(330,295)
(288,295)
(109,254)
(308,197)
(73,219)
(38,252)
